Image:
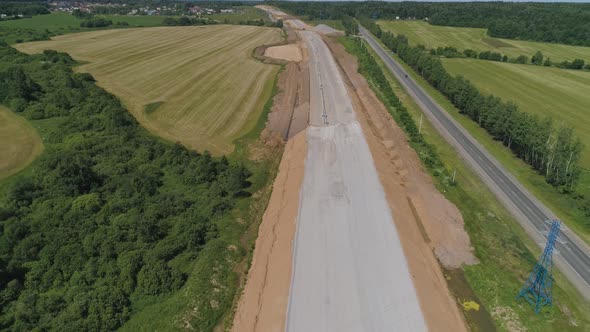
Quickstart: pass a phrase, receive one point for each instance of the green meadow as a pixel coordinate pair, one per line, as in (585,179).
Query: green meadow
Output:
(59,21)
(242,13)
(42,27)
(563,95)
(433,36)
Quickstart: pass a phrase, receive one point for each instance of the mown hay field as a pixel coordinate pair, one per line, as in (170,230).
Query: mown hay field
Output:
(20,143)
(198,86)
(433,36)
(563,95)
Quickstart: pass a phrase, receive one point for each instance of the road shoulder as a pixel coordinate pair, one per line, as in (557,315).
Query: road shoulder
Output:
(263,304)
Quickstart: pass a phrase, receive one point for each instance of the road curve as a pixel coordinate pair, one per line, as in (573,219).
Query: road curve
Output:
(573,258)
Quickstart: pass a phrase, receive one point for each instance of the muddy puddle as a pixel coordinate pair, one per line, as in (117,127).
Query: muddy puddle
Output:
(477,316)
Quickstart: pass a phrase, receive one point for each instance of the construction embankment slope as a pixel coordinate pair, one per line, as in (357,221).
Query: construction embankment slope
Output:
(263,304)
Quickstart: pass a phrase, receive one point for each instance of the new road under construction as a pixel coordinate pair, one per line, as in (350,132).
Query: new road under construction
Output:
(355,231)
(355,234)
(349,270)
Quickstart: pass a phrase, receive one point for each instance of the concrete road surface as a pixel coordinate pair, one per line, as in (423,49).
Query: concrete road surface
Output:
(349,270)
(573,258)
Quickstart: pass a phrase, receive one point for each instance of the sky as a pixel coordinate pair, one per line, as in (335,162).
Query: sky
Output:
(561,1)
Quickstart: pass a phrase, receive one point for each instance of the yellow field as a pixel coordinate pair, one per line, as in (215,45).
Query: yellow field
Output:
(195,85)
(19,143)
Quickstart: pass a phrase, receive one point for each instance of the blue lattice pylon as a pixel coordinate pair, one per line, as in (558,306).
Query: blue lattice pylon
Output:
(537,289)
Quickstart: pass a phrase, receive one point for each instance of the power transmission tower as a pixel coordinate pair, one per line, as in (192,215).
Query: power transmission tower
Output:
(537,289)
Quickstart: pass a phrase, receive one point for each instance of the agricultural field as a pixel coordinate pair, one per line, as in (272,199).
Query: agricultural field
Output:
(433,36)
(136,20)
(57,21)
(560,94)
(53,21)
(19,143)
(65,21)
(41,27)
(195,85)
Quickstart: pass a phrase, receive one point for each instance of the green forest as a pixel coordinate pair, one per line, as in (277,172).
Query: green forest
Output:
(371,70)
(12,8)
(565,23)
(108,213)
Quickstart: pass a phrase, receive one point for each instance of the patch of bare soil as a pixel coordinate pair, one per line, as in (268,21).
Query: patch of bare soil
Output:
(289,114)
(509,319)
(282,54)
(263,304)
(327,30)
(426,222)
(290,52)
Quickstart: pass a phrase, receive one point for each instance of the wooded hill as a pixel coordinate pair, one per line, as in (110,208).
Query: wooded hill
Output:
(11,8)
(108,212)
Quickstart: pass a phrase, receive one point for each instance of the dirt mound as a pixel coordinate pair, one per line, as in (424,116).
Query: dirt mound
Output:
(290,52)
(326,30)
(290,111)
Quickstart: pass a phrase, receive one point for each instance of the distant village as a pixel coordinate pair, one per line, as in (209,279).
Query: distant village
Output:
(167,10)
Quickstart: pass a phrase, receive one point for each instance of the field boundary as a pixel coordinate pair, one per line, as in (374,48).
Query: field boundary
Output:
(17,127)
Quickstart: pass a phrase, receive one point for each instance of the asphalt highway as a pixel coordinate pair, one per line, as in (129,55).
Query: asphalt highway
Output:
(573,255)
(349,270)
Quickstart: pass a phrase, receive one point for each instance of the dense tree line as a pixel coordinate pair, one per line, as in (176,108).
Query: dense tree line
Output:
(96,22)
(175,8)
(259,22)
(552,152)
(19,35)
(535,59)
(12,8)
(548,22)
(350,26)
(186,21)
(107,213)
(374,74)
(77,13)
